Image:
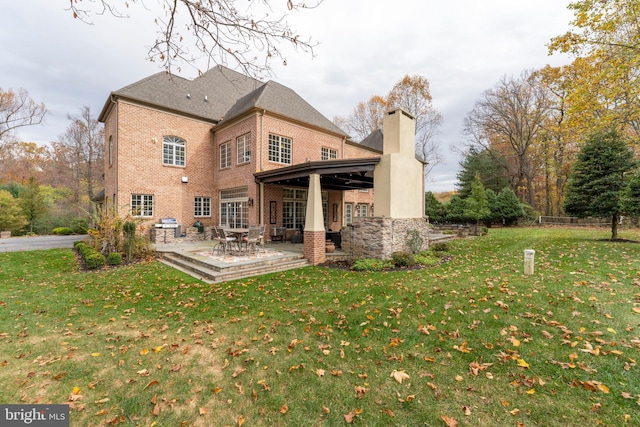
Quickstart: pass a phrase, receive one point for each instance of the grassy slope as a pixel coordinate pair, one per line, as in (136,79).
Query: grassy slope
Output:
(480,342)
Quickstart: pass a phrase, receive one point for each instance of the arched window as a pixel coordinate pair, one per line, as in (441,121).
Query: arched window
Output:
(173,151)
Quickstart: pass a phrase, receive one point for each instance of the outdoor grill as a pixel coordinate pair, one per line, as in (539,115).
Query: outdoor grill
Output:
(170,223)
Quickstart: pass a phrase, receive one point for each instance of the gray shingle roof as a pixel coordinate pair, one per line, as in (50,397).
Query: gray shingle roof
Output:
(281,100)
(221,93)
(374,140)
(209,95)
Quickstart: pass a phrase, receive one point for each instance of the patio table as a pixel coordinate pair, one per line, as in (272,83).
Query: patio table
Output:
(238,233)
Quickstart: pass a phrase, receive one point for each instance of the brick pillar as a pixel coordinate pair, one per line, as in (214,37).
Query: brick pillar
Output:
(314,246)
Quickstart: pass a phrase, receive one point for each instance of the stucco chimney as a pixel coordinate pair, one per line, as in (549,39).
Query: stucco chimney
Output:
(398,188)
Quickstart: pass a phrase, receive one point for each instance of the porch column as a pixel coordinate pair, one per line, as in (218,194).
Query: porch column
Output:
(314,233)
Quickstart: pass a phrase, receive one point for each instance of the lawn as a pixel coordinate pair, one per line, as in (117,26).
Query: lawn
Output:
(472,342)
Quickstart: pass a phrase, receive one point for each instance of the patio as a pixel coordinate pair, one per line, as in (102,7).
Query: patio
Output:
(198,259)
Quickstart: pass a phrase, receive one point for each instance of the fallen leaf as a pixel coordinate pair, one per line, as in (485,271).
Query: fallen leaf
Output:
(399,376)
(448,421)
(360,391)
(284,409)
(153,382)
(522,363)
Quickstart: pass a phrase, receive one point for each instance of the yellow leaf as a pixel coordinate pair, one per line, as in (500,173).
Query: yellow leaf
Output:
(613,331)
(96,354)
(515,411)
(458,378)
(76,390)
(158,349)
(603,388)
(144,351)
(399,376)
(216,390)
(241,421)
(531,391)
(522,363)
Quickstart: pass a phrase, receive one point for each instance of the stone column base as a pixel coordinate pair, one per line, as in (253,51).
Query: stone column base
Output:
(314,246)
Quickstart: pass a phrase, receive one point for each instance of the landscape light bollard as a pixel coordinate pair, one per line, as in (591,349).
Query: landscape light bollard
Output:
(529,255)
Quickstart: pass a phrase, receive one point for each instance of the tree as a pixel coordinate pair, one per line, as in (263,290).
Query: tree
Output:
(11,217)
(413,95)
(221,32)
(32,202)
(605,36)
(18,110)
(630,198)
(509,119)
(84,150)
(482,162)
(476,206)
(455,210)
(598,178)
(507,207)
(433,209)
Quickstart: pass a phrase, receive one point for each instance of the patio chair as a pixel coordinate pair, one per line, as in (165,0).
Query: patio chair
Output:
(216,240)
(225,240)
(252,239)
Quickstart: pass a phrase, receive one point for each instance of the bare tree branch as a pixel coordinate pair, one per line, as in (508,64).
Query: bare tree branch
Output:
(216,30)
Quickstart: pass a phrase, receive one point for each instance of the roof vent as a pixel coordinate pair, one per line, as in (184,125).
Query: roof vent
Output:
(206,99)
(188,96)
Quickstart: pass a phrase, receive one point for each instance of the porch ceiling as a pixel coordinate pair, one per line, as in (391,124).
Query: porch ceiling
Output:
(344,174)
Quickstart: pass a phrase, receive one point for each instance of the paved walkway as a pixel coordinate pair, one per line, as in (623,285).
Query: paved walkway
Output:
(37,243)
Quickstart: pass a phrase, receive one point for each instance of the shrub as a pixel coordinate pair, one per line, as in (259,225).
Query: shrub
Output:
(371,264)
(403,259)
(79,226)
(440,247)
(62,231)
(95,260)
(414,241)
(114,258)
(424,259)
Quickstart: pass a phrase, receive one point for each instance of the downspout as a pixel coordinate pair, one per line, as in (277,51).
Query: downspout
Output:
(115,205)
(261,136)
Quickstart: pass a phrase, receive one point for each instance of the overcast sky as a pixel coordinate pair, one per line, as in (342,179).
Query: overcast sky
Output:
(463,47)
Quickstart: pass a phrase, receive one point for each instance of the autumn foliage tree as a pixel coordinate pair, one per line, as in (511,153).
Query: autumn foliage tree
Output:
(412,94)
(18,110)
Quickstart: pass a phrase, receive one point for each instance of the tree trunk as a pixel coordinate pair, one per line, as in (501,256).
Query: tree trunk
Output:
(614,226)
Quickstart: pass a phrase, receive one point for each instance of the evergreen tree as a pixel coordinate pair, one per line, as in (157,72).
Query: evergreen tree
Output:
(491,200)
(476,206)
(507,207)
(433,209)
(454,210)
(598,178)
(630,198)
(488,165)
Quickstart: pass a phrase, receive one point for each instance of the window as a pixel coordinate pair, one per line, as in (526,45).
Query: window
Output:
(279,149)
(329,153)
(202,206)
(173,151)
(362,209)
(294,207)
(142,205)
(243,147)
(110,150)
(234,208)
(348,213)
(225,155)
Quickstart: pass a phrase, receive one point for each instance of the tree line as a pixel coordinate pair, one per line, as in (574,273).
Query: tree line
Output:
(43,187)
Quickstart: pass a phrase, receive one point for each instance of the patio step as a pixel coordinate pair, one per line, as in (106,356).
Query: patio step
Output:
(214,274)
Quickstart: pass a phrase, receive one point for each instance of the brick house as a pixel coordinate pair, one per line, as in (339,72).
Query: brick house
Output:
(226,149)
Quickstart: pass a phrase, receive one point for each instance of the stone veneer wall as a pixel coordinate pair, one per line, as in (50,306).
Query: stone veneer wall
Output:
(379,237)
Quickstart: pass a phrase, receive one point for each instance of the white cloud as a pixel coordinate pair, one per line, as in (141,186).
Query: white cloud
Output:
(462,46)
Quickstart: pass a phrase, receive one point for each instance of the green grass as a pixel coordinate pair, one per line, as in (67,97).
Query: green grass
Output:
(144,344)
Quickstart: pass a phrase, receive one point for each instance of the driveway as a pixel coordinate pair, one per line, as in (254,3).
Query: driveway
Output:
(36,243)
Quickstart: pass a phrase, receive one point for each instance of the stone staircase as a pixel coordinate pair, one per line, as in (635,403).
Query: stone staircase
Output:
(214,274)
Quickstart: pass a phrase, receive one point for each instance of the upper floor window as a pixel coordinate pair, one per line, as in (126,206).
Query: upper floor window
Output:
(279,149)
(225,155)
(362,209)
(243,148)
(142,205)
(173,151)
(329,153)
